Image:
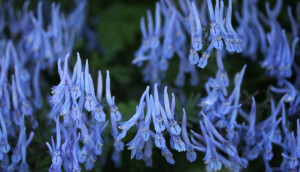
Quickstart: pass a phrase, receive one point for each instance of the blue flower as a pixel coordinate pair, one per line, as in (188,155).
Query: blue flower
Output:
(98,140)
(168,155)
(160,141)
(174,127)
(90,102)
(196,29)
(115,114)
(250,137)
(55,149)
(159,125)
(99,113)
(4,147)
(125,126)
(190,153)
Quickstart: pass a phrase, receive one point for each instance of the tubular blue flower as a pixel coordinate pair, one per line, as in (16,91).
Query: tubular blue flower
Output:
(228,39)
(168,155)
(90,102)
(237,38)
(217,39)
(55,149)
(174,127)
(293,22)
(294,106)
(289,90)
(118,144)
(147,156)
(159,125)
(238,82)
(210,158)
(35,36)
(154,34)
(160,141)
(193,57)
(25,105)
(115,114)
(214,29)
(190,153)
(272,14)
(98,140)
(24,166)
(168,49)
(229,148)
(4,147)
(125,126)
(58,90)
(89,164)
(177,144)
(196,29)
(135,144)
(76,79)
(145,123)
(279,56)
(16,157)
(76,166)
(76,113)
(76,18)
(205,55)
(175,141)
(64,111)
(99,113)
(250,137)
(262,35)
(83,154)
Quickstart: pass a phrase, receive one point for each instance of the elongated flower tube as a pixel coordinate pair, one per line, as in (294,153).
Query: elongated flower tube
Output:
(90,102)
(5,147)
(196,28)
(98,139)
(115,114)
(125,126)
(211,157)
(279,56)
(99,113)
(174,127)
(159,126)
(168,155)
(252,117)
(289,91)
(175,140)
(55,149)
(171,24)
(25,106)
(190,152)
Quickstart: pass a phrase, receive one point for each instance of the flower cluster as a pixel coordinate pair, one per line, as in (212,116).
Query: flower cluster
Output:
(187,19)
(163,119)
(230,135)
(231,132)
(254,37)
(27,48)
(279,55)
(75,99)
(161,42)
(218,30)
(13,110)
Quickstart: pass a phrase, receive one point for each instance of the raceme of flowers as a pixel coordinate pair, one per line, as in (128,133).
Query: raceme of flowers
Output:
(29,49)
(161,42)
(230,133)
